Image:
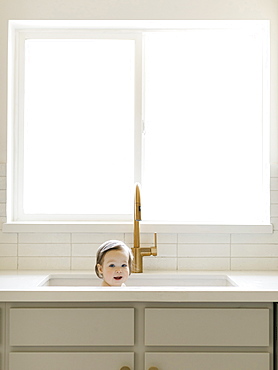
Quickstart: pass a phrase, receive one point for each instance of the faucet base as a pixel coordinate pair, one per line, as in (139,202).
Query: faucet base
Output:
(137,266)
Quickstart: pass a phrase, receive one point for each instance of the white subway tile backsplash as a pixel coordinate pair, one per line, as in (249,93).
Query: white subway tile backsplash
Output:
(44,263)
(274,170)
(2,220)
(206,264)
(84,250)
(204,250)
(274,221)
(3,184)
(274,210)
(2,210)
(25,238)
(145,238)
(254,264)
(204,238)
(159,264)
(165,250)
(274,197)
(82,263)
(254,250)
(274,183)
(254,238)
(128,239)
(2,196)
(8,250)
(2,169)
(8,263)
(98,238)
(44,250)
(167,238)
(8,238)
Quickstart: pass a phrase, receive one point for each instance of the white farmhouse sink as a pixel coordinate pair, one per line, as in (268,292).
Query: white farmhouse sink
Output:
(143,280)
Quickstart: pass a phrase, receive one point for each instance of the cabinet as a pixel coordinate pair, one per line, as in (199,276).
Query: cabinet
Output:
(61,333)
(208,361)
(70,360)
(139,336)
(71,326)
(207,327)
(2,335)
(213,338)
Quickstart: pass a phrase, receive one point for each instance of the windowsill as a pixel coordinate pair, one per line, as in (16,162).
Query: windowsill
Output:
(127,227)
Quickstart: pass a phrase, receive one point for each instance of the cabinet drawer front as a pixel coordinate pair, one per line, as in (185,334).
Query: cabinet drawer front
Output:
(71,326)
(208,361)
(72,361)
(206,327)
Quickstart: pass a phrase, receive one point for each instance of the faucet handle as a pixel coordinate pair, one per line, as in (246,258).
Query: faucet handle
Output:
(154,249)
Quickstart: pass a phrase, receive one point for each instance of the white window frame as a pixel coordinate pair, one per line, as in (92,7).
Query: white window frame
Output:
(18,150)
(19,31)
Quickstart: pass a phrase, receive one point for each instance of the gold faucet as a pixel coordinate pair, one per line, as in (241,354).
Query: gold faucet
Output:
(140,252)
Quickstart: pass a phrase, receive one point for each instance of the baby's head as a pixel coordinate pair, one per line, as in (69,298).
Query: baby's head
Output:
(113,263)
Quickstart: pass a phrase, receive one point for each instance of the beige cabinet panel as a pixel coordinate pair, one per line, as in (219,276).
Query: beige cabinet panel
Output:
(206,327)
(71,326)
(71,361)
(207,361)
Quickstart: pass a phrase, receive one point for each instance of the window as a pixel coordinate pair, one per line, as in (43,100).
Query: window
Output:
(182,107)
(78,126)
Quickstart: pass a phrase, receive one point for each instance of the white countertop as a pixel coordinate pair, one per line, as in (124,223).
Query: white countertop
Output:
(24,286)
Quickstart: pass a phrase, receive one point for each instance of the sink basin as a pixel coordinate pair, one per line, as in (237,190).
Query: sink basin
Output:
(143,280)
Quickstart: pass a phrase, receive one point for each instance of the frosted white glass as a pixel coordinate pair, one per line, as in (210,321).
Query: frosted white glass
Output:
(79,126)
(203,127)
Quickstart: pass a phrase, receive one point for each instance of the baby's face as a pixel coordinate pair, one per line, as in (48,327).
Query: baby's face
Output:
(115,268)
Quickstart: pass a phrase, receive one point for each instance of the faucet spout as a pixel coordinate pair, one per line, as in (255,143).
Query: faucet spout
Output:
(137,203)
(137,216)
(137,250)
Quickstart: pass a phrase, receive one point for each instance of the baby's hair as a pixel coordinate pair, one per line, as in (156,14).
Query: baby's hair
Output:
(108,246)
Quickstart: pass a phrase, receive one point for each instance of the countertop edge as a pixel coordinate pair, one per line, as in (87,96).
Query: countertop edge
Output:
(253,286)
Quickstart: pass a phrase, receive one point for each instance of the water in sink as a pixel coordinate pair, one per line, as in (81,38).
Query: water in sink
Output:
(142,280)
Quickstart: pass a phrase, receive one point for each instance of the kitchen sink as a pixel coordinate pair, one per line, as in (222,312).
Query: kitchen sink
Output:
(143,280)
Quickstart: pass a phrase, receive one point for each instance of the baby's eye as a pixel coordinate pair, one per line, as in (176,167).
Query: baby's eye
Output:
(124,265)
(111,265)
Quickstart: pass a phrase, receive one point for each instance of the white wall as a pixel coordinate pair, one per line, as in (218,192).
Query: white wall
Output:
(177,251)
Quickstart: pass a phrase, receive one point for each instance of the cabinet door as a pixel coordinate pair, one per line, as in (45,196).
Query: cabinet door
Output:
(206,327)
(71,361)
(71,326)
(207,361)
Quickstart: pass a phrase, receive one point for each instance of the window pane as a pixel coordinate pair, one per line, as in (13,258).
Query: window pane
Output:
(203,119)
(79,126)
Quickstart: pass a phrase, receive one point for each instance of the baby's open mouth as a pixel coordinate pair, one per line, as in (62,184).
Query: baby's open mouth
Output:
(118,277)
